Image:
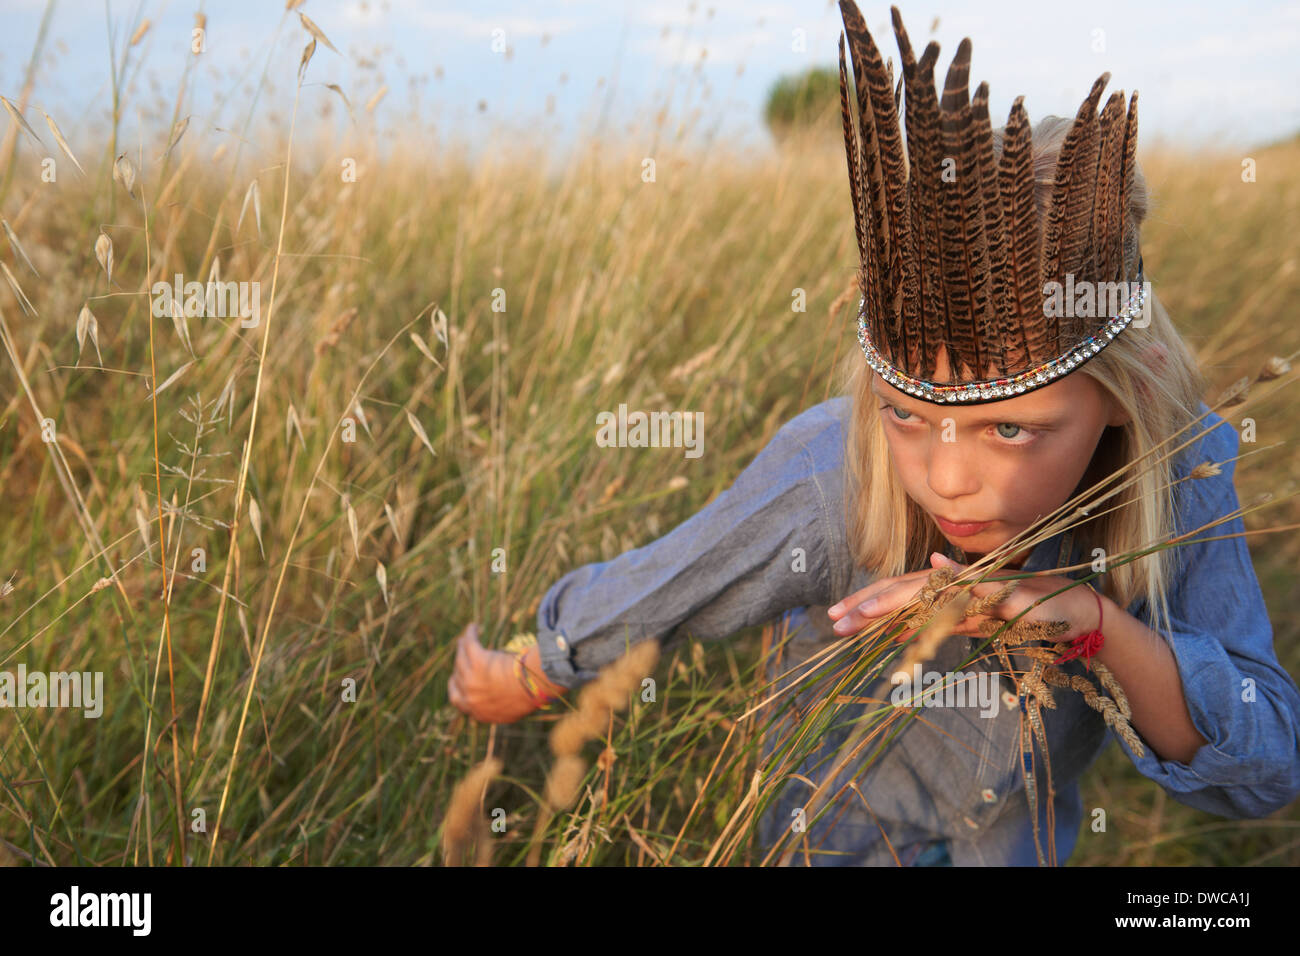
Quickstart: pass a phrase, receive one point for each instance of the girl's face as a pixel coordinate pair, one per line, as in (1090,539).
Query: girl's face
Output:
(1006,463)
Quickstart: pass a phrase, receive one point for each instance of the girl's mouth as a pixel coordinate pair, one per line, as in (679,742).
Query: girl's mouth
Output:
(961,529)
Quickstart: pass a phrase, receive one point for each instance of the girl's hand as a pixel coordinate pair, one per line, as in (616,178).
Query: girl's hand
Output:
(485,684)
(1078,605)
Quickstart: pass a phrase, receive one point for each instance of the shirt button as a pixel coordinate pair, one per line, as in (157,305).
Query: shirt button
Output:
(560,642)
(988,795)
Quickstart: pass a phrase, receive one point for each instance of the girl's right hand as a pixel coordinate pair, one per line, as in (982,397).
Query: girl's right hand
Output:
(485,684)
(887,594)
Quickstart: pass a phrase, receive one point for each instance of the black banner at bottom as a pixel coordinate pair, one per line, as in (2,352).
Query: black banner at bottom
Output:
(303,905)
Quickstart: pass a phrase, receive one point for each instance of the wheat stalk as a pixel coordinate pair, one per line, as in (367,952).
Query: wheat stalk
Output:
(1109,711)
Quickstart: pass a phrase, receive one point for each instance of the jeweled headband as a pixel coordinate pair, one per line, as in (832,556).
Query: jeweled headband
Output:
(996,389)
(955,254)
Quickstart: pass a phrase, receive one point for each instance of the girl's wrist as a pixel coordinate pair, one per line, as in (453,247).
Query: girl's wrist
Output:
(525,684)
(1090,611)
(533,662)
(531,676)
(1111,615)
(1085,638)
(540,687)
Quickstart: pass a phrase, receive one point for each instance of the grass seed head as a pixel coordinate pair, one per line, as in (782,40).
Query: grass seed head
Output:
(463,823)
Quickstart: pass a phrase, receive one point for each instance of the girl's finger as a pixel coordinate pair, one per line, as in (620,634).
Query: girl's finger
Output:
(895,593)
(836,611)
(469,643)
(464,682)
(462,663)
(879,605)
(872,592)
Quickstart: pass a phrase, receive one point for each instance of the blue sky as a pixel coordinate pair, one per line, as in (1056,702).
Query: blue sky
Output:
(1206,72)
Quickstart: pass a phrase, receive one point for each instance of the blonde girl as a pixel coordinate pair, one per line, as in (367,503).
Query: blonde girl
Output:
(973,412)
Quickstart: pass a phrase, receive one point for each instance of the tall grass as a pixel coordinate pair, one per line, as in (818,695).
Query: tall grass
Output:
(330,563)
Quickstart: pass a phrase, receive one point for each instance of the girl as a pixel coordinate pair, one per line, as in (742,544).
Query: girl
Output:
(979,406)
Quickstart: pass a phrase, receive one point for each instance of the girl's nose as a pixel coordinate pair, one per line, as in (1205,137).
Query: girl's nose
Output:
(950,472)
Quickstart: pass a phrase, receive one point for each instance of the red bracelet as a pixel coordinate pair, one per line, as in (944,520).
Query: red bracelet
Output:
(1086,645)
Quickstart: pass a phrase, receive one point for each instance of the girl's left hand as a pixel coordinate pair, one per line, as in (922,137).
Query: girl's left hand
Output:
(485,683)
(1078,605)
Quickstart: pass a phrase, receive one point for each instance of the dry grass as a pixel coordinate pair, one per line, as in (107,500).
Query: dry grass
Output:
(597,703)
(464,825)
(346,469)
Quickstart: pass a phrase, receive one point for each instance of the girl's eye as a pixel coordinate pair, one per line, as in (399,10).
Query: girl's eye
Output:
(1013,431)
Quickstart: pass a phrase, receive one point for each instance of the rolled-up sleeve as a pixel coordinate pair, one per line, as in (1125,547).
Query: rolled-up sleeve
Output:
(1239,697)
(757,549)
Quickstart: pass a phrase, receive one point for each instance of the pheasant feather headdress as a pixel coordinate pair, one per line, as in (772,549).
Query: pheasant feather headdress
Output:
(953,258)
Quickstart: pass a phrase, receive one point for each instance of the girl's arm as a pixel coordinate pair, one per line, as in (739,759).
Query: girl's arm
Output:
(1147,670)
(1234,694)
(771,542)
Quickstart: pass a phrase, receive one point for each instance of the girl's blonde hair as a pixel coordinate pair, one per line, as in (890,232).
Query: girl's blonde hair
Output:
(1148,372)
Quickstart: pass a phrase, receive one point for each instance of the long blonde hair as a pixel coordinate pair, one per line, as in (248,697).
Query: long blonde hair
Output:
(890,534)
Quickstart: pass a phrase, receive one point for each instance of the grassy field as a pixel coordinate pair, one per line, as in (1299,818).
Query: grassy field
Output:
(331,485)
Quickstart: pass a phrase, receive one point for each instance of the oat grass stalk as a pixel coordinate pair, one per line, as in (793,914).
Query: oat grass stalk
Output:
(177,854)
(240,484)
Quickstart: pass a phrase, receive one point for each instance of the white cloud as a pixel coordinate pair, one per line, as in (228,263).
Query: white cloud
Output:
(1224,46)
(362,14)
(685,12)
(469,25)
(408,14)
(730,49)
(472,25)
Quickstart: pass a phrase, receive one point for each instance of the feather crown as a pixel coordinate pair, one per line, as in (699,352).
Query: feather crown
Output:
(953,259)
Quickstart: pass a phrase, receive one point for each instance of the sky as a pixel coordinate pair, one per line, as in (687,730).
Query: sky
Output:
(1207,73)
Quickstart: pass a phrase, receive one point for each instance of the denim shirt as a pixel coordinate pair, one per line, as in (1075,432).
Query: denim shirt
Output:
(954,777)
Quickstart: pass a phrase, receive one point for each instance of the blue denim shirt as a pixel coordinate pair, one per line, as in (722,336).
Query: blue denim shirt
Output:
(954,779)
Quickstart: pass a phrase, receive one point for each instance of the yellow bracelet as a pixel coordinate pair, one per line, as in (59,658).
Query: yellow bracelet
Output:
(518,646)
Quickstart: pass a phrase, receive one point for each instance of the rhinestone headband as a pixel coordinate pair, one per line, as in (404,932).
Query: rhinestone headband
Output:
(994,389)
